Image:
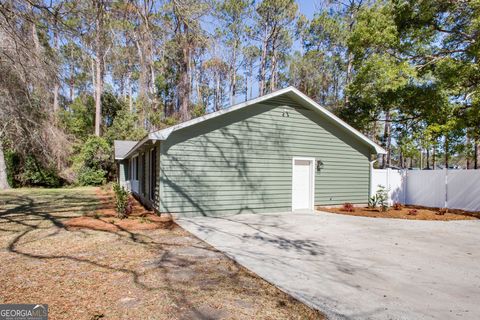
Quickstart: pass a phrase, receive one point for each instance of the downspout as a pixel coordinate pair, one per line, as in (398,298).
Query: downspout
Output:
(371,174)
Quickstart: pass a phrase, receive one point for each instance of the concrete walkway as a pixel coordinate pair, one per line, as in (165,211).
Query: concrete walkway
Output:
(355,267)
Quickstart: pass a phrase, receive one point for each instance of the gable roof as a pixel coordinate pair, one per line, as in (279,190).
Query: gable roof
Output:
(122,147)
(289,92)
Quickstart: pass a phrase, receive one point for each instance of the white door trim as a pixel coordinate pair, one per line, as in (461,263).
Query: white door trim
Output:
(312,179)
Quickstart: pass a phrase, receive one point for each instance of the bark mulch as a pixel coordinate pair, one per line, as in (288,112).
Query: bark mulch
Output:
(105,217)
(84,273)
(408,212)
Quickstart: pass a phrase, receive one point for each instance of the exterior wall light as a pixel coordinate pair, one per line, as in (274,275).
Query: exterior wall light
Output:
(319,165)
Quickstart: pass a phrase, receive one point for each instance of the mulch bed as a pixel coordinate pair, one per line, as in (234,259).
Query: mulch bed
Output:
(105,217)
(407,212)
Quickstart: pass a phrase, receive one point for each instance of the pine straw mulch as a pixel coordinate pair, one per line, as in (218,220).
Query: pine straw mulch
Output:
(407,212)
(89,274)
(105,217)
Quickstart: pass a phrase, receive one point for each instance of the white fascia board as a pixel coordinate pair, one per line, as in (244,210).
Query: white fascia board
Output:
(135,147)
(163,134)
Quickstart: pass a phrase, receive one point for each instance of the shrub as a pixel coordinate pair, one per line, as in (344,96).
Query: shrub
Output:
(93,161)
(397,205)
(33,173)
(347,206)
(28,171)
(442,211)
(372,202)
(89,176)
(412,212)
(382,197)
(123,202)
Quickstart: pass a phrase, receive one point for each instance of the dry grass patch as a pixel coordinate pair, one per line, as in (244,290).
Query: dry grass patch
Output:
(122,274)
(406,212)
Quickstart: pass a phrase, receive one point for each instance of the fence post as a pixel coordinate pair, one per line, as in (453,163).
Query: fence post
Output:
(387,185)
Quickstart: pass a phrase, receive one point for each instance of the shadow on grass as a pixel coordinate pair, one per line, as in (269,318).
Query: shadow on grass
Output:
(22,213)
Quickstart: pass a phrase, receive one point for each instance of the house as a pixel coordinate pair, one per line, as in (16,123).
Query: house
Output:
(279,152)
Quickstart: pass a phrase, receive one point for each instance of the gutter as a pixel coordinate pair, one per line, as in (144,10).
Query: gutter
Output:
(371,173)
(138,145)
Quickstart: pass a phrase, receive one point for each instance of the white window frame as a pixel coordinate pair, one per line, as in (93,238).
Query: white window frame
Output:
(312,179)
(150,170)
(133,167)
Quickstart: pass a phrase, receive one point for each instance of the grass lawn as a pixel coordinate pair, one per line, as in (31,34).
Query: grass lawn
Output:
(121,274)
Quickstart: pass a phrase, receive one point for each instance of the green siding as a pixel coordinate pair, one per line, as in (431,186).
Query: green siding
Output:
(122,171)
(242,162)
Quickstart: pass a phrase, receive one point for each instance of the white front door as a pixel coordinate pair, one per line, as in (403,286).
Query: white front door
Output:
(302,183)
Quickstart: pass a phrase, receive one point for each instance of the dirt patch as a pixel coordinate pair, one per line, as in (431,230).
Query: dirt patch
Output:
(83,273)
(104,218)
(406,212)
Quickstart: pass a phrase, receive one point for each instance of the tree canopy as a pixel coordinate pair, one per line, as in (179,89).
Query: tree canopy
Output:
(403,72)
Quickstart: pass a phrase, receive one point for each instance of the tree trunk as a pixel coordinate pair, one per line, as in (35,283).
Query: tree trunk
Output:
(3,170)
(245,73)
(233,76)
(217,90)
(263,63)
(184,84)
(428,158)
(386,159)
(129,91)
(250,75)
(98,94)
(476,154)
(446,152)
(434,158)
(99,68)
(56,86)
(468,148)
(348,77)
(72,82)
(142,82)
(92,67)
(273,77)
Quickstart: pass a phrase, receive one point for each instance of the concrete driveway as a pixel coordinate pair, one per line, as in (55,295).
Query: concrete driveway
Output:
(355,267)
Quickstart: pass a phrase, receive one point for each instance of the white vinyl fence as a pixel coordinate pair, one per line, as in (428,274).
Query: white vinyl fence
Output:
(454,189)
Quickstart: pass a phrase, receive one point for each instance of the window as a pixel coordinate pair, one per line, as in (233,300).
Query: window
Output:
(134,168)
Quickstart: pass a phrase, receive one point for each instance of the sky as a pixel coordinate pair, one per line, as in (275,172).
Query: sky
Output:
(308,7)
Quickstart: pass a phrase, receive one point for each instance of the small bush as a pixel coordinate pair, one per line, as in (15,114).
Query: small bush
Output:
(91,177)
(382,197)
(412,212)
(397,205)
(372,202)
(123,202)
(347,206)
(442,211)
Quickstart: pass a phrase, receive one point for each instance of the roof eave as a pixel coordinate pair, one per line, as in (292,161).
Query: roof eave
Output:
(140,143)
(165,133)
